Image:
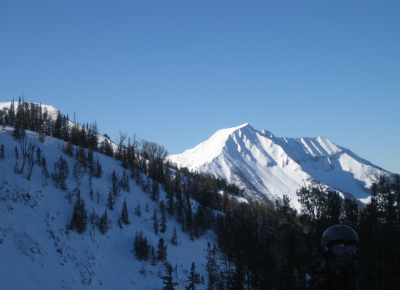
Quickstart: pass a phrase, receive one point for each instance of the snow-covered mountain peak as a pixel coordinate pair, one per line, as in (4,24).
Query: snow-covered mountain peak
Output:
(266,166)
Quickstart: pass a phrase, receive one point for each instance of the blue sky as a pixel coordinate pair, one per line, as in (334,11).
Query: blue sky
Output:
(175,72)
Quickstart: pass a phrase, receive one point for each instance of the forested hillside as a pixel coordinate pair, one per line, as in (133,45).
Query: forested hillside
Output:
(87,212)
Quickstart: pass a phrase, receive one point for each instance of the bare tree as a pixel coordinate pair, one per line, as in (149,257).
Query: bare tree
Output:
(33,159)
(27,146)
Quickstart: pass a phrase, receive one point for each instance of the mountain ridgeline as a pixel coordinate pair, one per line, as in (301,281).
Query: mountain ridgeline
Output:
(267,167)
(78,211)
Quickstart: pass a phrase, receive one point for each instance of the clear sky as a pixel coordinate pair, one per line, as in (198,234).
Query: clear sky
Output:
(175,72)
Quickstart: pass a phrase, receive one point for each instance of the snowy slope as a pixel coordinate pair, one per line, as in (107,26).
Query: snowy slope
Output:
(267,166)
(37,253)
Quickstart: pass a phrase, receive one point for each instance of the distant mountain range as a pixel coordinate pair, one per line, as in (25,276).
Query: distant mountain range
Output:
(266,167)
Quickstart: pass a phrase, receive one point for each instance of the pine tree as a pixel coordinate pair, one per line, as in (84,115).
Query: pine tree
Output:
(56,132)
(124,182)
(115,190)
(104,223)
(81,157)
(174,240)
(163,219)
(193,279)
(98,169)
(2,156)
(64,132)
(68,148)
(212,267)
(61,173)
(155,191)
(137,209)
(155,221)
(124,214)
(350,214)
(168,279)
(162,250)
(90,162)
(77,173)
(79,216)
(153,257)
(11,113)
(18,125)
(110,201)
(141,247)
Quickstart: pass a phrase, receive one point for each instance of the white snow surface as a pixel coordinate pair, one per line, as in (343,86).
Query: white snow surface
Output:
(37,253)
(266,166)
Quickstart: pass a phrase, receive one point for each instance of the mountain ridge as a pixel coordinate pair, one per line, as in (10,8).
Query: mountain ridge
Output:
(270,167)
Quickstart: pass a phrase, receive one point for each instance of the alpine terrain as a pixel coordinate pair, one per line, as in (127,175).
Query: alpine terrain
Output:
(78,211)
(75,218)
(266,167)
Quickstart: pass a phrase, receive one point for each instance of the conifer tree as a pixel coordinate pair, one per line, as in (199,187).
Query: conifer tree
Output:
(350,214)
(98,169)
(104,223)
(141,247)
(162,250)
(174,240)
(115,190)
(61,173)
(56,132)
(193,278)
(77,172)
(110,201)
(64,132)
(137,209)
(124,182)
(45,173)
(79,216)
(68,148)
(153,257)
(212,267)
(155,222)
(124,214)
(19,130)
(163,219)
(168,279)
(155,191)
(81,157)
(11,113)
(90,162)
(2,156)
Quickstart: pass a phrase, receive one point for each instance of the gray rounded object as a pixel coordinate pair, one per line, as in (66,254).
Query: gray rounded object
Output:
(338,232)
